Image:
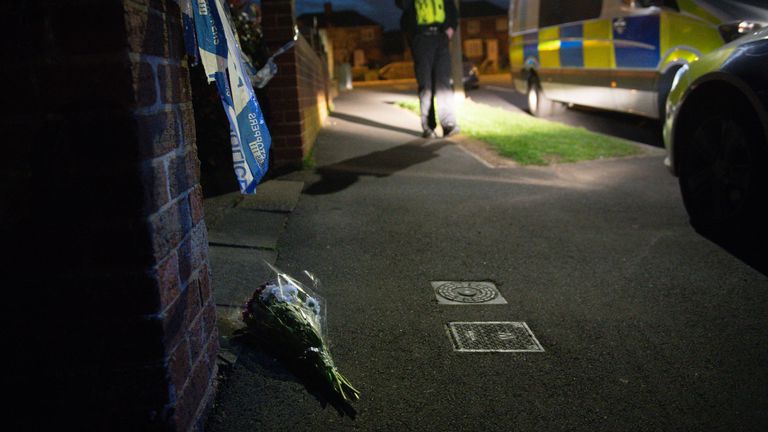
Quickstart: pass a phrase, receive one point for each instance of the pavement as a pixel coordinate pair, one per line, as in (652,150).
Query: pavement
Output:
(644,324)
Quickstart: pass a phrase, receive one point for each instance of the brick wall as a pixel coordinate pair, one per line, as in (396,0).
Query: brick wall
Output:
(115,320)
(298,93)
(313,92)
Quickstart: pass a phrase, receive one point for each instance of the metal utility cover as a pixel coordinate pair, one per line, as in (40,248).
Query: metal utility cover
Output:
(493,336)
(467,293)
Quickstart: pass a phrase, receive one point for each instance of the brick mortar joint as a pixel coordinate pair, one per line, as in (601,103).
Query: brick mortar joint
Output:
(210,393)
(162,108)
(183,285)
(156,60)
(165,160)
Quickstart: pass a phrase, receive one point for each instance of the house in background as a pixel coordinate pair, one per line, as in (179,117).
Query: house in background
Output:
(484,35)
(355,38)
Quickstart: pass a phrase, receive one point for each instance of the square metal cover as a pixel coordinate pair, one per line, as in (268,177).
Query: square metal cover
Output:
(493,336)
(467,293)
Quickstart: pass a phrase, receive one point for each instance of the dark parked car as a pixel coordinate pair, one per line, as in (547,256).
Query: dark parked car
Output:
(716,134)
(404,69)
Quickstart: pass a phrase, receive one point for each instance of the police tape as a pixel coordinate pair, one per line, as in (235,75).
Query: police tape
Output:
(223,62)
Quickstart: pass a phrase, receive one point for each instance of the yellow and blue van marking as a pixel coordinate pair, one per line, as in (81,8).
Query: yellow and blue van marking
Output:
(572,45)
(638,45)
(595,44)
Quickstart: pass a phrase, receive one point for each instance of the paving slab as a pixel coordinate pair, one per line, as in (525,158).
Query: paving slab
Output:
(216,207)
(248,228)
(274,195)
(237,272)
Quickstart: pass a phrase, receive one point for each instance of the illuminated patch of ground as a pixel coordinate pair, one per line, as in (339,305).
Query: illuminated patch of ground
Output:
(532,141)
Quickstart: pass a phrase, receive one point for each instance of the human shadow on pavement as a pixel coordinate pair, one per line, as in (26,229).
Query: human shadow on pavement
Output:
(271,363)
(371,123)
(341,175)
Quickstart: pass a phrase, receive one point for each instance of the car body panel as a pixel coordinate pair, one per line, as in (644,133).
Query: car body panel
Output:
(743,64)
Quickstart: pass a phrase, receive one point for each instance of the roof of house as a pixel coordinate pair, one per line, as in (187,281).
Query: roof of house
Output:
(341,18)
(480,8)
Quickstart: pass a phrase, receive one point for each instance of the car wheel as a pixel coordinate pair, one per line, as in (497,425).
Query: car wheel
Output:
(538,104)
(722,178)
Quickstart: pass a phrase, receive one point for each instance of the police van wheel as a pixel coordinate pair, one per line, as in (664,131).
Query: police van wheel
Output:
(538,104)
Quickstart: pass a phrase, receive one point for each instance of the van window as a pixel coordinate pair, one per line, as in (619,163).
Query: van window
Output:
(554,12)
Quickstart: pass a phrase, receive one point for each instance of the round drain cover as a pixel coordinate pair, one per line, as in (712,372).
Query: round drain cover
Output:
(467,292)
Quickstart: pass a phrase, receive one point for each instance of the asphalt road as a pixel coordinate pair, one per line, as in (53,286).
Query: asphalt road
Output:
(645,324)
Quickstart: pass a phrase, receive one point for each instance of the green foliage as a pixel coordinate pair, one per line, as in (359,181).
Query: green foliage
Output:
(533,141)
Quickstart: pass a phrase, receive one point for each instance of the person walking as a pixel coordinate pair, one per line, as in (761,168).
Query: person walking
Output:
(429,26)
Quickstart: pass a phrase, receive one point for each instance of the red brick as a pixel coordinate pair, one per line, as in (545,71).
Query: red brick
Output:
(158,134)
(199,237)
(174,83)
(286,128)
(186,263)
(175,36)
(213,347)
(196,204)
(180,366)
(183,172)
(209,317)
(187,120)
(180,315)
(146,31)
(291,153)
(193,252)
(196,336)
(155,180)
(168,7)
(206,293)
(168,283)
(194,394)
(292,116)
(168,227)
(144,84)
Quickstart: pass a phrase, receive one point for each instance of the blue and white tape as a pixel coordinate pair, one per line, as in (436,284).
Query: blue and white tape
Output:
(222,59)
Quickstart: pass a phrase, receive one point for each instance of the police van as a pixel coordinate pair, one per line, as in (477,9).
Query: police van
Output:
(619,55)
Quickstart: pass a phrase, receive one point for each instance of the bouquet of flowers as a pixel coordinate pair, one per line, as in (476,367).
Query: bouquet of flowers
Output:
(284,312)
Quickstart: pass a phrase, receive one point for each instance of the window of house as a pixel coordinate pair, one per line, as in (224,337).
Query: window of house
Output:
(554,12)
(367,35)
(473,27)
(473,47)
(501,24)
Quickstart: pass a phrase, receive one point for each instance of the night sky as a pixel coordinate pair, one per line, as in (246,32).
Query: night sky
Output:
(383,11)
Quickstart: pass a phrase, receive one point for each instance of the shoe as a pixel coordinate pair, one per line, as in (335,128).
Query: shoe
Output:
(450,131)
(428,133)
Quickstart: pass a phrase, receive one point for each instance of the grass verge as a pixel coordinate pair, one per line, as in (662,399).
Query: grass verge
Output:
(531,141)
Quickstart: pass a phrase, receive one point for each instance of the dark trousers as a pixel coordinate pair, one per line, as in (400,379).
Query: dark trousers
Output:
(432,64)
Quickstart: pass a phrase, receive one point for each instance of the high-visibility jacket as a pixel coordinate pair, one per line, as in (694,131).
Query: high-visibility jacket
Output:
(418,15)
